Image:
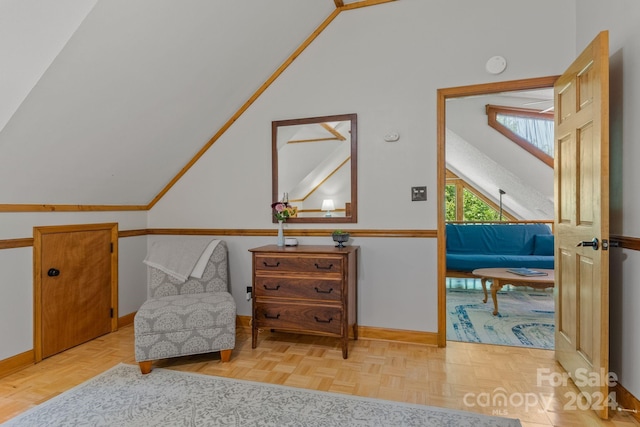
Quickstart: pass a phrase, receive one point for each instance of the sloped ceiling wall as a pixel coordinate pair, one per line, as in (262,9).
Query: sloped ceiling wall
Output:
(105,101)
(137,90)
(487,176)
(489,161)
(32,33)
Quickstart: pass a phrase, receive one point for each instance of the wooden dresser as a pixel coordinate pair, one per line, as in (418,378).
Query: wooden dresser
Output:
(306,289)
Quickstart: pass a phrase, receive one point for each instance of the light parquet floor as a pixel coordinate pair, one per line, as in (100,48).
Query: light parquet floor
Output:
(456,377)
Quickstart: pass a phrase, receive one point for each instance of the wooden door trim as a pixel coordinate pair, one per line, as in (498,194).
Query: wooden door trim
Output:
(443,95)
(38,232)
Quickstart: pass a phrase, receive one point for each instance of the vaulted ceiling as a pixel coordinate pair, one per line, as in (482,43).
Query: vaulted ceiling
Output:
(104,102)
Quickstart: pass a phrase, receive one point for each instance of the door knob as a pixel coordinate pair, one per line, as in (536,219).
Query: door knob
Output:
(593,243)
(53,272)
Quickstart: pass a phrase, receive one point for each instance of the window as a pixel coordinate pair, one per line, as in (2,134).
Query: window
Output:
(475,209)
(530,129)
(465,203)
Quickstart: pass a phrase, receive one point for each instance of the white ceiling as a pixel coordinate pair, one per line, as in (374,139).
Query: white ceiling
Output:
(117,103)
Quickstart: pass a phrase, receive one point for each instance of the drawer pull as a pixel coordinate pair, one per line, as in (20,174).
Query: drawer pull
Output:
(277,316)
(324,292)
(272,265)
(271,289)
(323,321)
(319,267)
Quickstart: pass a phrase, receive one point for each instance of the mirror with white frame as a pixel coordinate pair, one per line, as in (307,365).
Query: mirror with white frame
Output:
(314,166)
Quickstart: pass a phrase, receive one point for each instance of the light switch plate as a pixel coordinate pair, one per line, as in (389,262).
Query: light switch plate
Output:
(418,194)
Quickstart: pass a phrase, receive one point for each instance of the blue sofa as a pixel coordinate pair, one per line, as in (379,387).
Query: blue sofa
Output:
(472,246)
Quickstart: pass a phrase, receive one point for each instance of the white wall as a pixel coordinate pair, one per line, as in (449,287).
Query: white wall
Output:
(384,258)
(384,63)
(132,274)
(621,18)
(16,303)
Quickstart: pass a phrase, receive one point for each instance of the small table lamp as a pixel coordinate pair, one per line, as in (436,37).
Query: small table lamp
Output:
(327,205)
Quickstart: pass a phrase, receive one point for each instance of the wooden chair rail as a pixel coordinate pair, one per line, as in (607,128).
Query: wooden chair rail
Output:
(27,242)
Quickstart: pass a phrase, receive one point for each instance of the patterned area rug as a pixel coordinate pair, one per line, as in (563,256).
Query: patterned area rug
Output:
(121,396)
(525,318)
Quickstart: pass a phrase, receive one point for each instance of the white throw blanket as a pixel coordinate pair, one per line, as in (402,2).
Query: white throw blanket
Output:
(181,256)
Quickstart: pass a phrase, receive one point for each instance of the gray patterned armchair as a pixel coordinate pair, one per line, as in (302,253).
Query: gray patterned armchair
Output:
(194,317)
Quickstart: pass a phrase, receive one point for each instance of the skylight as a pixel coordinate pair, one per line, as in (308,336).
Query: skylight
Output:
(530,129)
(536,131)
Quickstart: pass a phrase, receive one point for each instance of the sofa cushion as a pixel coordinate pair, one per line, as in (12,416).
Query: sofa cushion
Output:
(543,244)
(470,262)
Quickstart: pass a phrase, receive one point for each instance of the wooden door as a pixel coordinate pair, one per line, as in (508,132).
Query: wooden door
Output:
(75,301)
(582,215)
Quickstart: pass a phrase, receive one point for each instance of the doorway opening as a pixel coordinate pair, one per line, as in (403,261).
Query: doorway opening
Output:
(476,171)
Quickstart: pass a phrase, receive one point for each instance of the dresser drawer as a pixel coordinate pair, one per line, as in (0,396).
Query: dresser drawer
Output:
(299,317)
(307,264)
(303,287)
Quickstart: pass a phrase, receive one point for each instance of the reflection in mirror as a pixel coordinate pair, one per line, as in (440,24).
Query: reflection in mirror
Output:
(314,164)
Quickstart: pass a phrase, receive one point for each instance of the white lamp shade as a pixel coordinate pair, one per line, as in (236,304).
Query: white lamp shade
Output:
(327,205)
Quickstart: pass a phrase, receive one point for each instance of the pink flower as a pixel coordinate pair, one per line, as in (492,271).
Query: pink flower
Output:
(283,210)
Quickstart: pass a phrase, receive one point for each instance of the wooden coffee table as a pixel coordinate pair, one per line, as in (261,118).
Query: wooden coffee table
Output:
(500,277)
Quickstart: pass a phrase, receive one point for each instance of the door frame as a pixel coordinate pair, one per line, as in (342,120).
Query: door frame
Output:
(443,96)
(38,232)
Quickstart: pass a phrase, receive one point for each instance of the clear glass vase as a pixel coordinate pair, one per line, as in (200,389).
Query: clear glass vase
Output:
(280,233)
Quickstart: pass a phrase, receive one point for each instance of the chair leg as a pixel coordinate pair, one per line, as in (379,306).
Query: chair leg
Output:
(225,355)
(145,367)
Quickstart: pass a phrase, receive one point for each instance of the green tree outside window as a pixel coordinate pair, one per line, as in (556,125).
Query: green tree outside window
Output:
(477,210)
(474,208)
(450,202)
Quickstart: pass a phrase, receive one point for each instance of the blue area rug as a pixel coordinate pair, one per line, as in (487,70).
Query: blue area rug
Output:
(525,318)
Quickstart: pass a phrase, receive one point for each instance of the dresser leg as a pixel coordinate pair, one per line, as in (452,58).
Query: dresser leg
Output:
(355,332)
(254,337)
(345,348)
